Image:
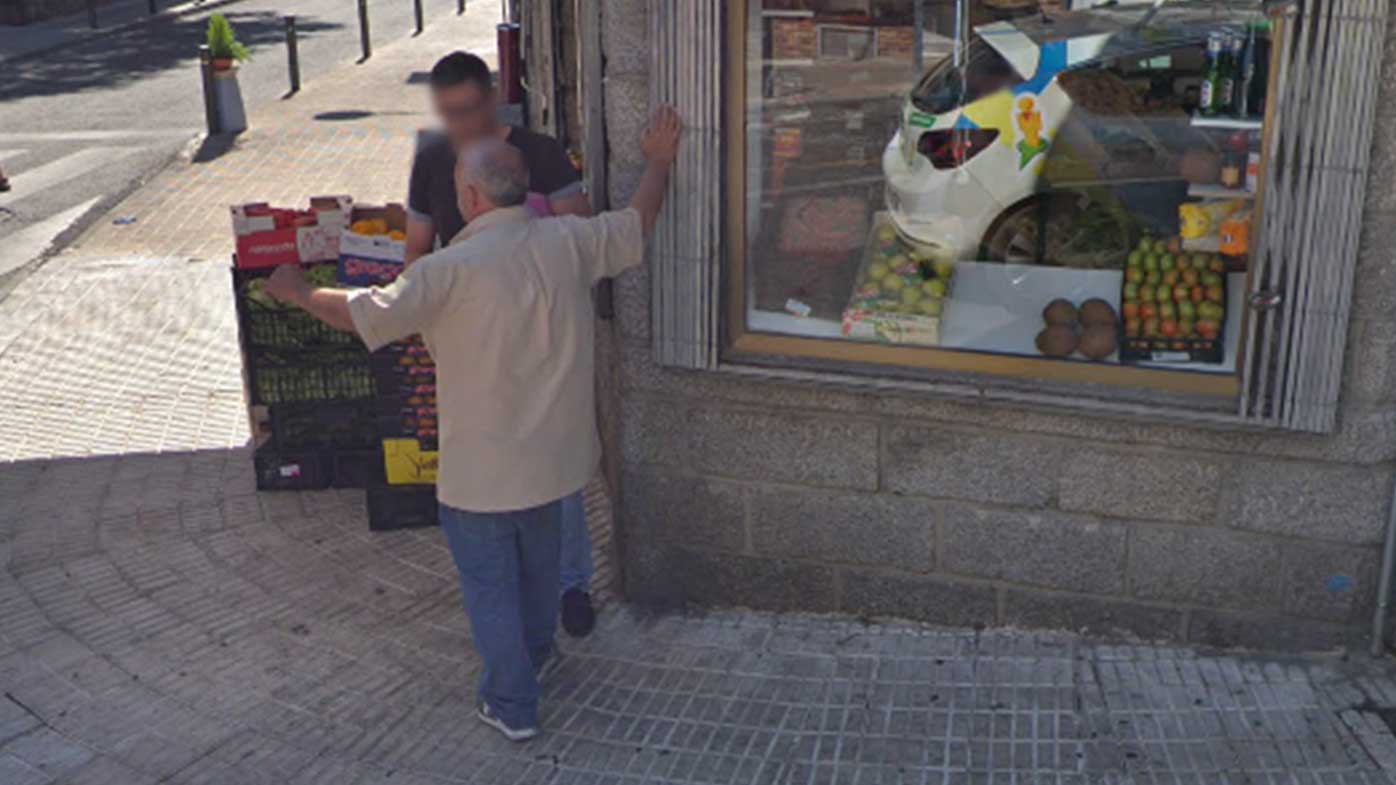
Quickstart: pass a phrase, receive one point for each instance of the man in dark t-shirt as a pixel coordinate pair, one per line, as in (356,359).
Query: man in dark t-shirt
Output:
(462,95)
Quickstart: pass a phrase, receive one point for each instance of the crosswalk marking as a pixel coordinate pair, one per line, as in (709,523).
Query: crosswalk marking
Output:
(89,136)
(6,155)
(29,243)
(31,181)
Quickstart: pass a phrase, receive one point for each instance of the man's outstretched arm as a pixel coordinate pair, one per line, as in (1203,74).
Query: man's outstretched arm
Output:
(660,145)
(330,306)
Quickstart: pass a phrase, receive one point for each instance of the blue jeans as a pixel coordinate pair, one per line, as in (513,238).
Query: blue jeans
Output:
(576,545)
(508,565)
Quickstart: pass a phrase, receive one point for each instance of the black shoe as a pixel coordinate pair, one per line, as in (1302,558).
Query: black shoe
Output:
(578,617)
(4,185)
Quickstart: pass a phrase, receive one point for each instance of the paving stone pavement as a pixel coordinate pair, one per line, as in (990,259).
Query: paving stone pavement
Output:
(162,622)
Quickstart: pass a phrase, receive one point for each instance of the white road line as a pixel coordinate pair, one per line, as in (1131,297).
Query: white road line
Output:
(30,181)
(91,136)
(26,245)
(6,155)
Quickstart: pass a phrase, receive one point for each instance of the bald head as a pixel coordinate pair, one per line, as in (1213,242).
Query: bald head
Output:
(490,174)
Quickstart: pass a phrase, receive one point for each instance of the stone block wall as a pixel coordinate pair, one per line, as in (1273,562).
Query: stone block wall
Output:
(785,495)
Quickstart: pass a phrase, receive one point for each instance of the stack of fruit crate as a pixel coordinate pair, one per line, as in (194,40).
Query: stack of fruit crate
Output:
(310,390)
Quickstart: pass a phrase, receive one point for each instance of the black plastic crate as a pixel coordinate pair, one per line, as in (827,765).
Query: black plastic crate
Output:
(278,470)
(393,507)
(327,374)
(314,470)
(267,324)
(325,425)
(358,469)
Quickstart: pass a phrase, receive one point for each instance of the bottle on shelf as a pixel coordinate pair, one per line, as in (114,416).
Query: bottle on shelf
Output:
(1231,82)
(1209,98)
(1242,102)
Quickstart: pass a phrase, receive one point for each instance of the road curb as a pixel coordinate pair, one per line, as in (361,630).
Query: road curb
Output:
(172,11)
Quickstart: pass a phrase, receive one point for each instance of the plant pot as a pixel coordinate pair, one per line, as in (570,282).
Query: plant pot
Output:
(222,63)
(231,115)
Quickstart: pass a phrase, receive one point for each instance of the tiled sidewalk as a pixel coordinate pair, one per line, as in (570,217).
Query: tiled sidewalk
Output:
(161,622)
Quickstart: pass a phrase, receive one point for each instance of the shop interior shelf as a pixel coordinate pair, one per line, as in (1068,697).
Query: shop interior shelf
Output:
(1236,123)
(997,308)
(1200,191)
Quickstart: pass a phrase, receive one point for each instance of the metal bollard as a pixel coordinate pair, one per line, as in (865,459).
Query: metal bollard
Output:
(417,12)
(92,13)
(364,45)
(153,7)
(460,7)
(211,118)
(293,58)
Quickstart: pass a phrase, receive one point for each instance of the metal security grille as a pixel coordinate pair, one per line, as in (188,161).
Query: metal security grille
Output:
(1328,62)
(685,253)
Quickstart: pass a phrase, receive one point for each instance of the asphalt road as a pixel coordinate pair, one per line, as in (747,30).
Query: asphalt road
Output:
(83,124)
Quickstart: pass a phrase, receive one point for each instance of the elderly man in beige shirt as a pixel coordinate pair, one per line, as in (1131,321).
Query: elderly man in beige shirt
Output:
(505,311)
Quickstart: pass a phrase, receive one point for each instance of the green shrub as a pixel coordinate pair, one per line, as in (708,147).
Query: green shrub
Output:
(222,43)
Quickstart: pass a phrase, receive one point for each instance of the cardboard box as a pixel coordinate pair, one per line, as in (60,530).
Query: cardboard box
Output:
(268,236)
(406,463)
(369,259)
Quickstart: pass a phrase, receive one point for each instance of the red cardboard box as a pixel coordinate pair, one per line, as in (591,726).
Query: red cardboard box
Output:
(268,236)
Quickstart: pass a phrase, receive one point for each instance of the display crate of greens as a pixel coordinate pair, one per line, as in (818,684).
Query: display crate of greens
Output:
(265,323)
(1172,305)
(329,374)
(899,292)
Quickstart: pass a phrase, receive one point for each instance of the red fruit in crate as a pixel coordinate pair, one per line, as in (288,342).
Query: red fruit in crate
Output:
(1130,311)
(1148,311)
(1133,327)
(1215,294)
(1207,328)
(1168,327)
(1198,294)
(1181,293)
(1190,277)
(1170,278)
(1151,327)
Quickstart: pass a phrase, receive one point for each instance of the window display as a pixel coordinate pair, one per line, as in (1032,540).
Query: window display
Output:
(1068,183)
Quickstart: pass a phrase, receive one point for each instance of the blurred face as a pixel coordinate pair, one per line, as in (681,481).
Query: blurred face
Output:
(467,112)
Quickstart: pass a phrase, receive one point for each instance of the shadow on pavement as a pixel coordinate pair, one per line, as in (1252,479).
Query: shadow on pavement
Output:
(214,146)
(139,51)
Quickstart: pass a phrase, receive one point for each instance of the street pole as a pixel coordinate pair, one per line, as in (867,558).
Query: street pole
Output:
(460,7)
(364,44)
(215,124)
(417,12)
(92,13)
(152,6)
(293,60)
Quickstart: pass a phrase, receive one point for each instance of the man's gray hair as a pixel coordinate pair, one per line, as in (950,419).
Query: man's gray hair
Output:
(497,168)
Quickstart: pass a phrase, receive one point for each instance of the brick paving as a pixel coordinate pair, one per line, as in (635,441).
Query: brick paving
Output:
(162,622)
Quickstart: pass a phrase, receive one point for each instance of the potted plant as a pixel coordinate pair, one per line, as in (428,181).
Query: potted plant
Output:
(225,50)
(223,46)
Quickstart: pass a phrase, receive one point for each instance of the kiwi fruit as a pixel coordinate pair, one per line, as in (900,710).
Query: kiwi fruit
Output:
(1095,312)
(1098,342)
(1057,340)
(1059,312)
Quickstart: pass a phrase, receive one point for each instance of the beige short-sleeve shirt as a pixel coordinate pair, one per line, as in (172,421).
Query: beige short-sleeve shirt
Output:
(506,313)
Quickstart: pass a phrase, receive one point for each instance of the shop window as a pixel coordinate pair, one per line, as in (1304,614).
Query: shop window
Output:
(1052,198)
(1066,191)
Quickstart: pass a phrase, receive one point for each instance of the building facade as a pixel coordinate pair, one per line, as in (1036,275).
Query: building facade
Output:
(788,429)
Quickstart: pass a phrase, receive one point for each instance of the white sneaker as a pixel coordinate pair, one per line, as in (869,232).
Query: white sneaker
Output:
(487,716)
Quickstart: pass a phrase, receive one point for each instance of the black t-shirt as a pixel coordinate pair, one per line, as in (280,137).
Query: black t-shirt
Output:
(432,192)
